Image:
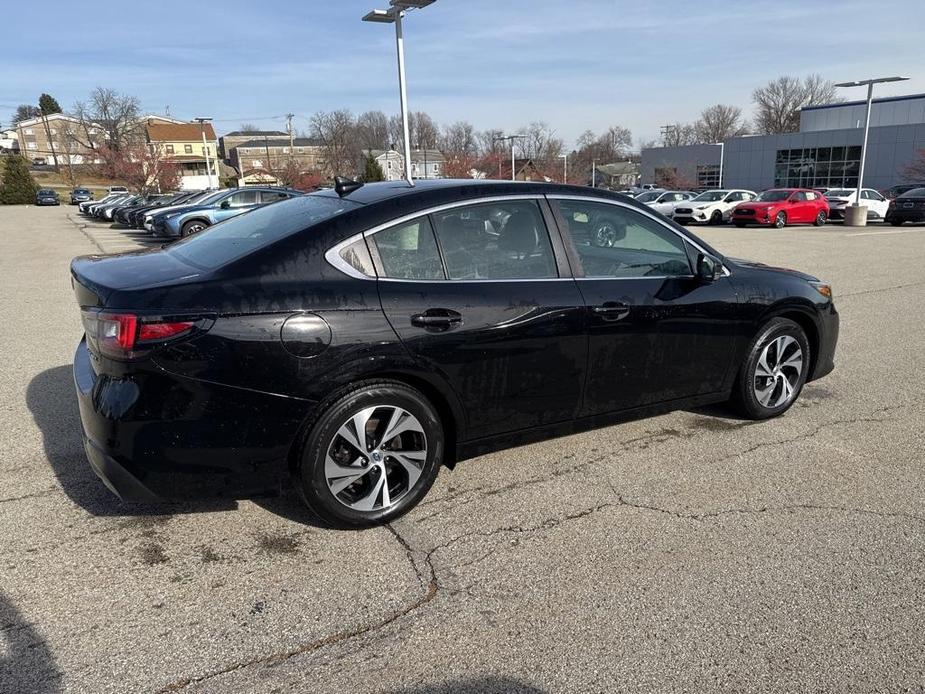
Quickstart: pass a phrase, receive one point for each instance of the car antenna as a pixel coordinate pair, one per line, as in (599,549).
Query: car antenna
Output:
(344,186)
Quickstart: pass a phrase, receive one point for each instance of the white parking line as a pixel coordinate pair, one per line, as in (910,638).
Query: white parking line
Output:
(884,233)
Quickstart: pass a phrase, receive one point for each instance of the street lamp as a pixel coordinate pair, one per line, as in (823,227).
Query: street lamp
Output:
(394,16)
(205,148)
(564,158)
(870,97)
(510,138)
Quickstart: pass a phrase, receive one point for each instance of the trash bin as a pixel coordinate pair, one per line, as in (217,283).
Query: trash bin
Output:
(855,216)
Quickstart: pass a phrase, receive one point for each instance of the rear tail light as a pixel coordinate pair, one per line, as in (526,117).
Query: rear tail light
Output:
(126,335)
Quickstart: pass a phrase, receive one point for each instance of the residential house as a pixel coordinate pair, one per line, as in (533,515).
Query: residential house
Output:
(425,163)
(9,141)
(58,137)
(182,144)
(619,175)
(259,158)
(227,143)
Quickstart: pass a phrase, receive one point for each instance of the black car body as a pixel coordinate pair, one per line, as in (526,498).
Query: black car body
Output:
(497,313)
(908,207)
(895,191)
(46,196)
(133,216)
(79,195)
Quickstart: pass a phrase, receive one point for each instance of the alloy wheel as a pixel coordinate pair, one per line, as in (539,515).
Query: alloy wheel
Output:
(375,458)
(780,221)
(778,371)
(605,235)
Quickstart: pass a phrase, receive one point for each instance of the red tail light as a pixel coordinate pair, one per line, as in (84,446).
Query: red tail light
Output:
(124,335)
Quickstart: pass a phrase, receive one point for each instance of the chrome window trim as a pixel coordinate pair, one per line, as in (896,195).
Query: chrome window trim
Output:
(332,255)
(646,213)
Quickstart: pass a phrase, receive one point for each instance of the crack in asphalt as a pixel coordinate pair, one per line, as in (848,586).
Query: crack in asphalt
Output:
(32,495)
(880,289)
(83,230)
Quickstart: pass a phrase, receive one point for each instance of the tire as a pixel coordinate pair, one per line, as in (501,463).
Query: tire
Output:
(820,219)
(741,225)
(757,396)
(896,222)
(339,491)
(193,226)
(780,221)
(716,218)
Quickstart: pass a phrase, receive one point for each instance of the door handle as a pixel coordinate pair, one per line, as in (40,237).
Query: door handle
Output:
(612,310)
(437,319)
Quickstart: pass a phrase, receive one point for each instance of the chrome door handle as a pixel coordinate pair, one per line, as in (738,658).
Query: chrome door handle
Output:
(612,310)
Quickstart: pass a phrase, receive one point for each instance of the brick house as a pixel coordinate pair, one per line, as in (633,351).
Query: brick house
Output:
(227,142)
(60,137)
(265,154)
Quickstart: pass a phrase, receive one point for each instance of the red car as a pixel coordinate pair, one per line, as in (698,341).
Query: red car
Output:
(783,206)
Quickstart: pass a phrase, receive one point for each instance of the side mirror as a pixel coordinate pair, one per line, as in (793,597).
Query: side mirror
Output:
(709,269)
(225,204)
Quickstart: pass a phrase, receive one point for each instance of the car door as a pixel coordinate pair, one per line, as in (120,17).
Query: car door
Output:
(655,332)
(875,202)
(481,295)
(235,204)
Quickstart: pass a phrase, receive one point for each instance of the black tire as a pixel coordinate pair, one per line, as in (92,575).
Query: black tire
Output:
(192,227)
(311,478)
(896,222)
(741,225)
(716,218)
(821,219)
(780,221)
(744,398)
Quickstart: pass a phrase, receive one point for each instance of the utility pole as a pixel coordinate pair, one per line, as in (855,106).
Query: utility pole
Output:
(51,143)
(291,140)
(666,131)
(205,151)
(510,138)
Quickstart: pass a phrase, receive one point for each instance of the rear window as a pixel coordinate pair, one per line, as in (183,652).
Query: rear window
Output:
(914,193)
(257,229)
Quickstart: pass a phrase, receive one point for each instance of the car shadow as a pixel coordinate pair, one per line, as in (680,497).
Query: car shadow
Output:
(53,403)
(26,663)
(480,685)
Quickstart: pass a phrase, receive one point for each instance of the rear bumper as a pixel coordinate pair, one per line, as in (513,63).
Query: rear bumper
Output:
(153,436)
(901,215)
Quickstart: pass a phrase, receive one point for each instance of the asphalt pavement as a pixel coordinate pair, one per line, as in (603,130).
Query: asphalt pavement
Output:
(691,552)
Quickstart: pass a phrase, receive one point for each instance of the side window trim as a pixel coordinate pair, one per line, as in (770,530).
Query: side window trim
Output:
(572,253)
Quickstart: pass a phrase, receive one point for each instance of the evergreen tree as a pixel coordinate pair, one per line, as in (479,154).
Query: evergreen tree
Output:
(48,105)
(372,172)
(25,112)
(18,187)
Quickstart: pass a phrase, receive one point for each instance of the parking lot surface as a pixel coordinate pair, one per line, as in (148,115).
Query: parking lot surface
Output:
(688,552)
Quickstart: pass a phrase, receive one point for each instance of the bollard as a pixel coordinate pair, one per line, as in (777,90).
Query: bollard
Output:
(855,216)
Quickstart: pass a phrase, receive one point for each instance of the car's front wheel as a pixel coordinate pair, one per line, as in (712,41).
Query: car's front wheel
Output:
(716,217)
(780,221)
(896,222)
(192,227)
(774,371)
(371,456)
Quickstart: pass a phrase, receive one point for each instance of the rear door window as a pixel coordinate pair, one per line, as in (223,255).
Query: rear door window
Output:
(408,251)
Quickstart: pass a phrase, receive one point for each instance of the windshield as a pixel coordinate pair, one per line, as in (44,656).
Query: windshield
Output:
(81,191)
(773,196)
(648,197)
(711,196)
(840,193)
(914,193)
(257,229)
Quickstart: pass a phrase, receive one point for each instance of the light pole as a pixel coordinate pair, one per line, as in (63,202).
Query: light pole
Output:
(394,16)
(205,148)
(510,138)
(564,158)
(870,98)
(722,156)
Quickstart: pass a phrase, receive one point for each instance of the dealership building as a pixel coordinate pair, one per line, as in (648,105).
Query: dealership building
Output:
(825,153)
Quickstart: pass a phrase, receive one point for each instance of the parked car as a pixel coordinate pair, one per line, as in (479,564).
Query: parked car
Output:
(136,216)
(47,196)
(79,195)
(711,206)
(117,189)
(352,341)
(84,207)
(840,198)
(783,206)
(664,202)
(93,209)
(895,191)
(229,203)
(106,210)
(908,207)
(39,161)
(150,201)
(129,204)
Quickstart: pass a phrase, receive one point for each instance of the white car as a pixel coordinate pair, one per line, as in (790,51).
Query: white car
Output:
(664,201)
(711,206)
(840,198)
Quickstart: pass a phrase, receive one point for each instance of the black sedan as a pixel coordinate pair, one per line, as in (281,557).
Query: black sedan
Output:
(353,341)
(79,195)
(47,196)
(908,207)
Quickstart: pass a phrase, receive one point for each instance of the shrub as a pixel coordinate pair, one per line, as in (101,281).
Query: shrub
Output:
(18,187)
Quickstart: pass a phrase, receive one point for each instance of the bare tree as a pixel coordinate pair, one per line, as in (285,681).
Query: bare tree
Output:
(248,128)
(778,103)
(539,143)
(116,114)
(459,138)
(679,135)
(422,129)
(608,147)
(720,122)
(487,141)
(372,130)
(337,132)
(915,169)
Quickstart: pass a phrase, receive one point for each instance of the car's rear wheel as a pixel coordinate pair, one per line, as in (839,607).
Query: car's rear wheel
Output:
(716,217)
(780,221)
(193,227)
(741,225)
(371,456)
(774,372)
(820,218)
(896,222)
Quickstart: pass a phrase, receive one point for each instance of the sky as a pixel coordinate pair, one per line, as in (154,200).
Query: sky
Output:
(575,64)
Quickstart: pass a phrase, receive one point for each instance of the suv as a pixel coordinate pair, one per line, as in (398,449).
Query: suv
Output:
(896,191)
(711,207)
(216,208)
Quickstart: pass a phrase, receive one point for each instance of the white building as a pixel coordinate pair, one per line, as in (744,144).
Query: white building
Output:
(425,163)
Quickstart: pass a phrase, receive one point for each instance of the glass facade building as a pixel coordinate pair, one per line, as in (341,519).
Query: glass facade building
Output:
(817,167)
